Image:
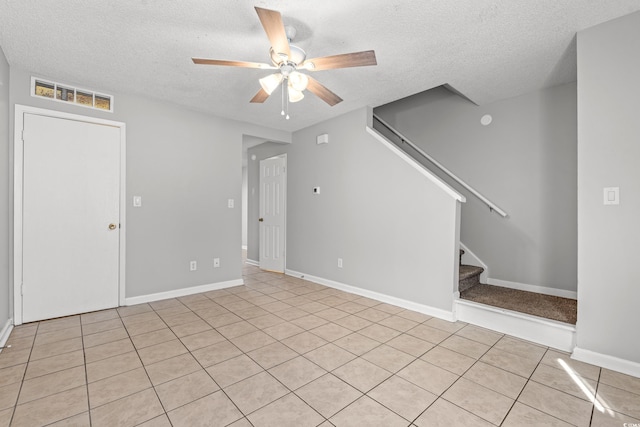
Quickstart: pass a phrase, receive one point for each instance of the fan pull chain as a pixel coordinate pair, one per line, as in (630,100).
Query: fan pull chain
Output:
(287,117)
(282,103)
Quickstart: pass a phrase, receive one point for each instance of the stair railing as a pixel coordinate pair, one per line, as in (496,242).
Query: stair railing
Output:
(404,140)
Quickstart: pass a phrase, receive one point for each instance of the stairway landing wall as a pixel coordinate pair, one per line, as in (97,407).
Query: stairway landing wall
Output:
(524,161)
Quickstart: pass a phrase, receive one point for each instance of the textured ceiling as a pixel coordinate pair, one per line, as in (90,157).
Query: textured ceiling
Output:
(485,49)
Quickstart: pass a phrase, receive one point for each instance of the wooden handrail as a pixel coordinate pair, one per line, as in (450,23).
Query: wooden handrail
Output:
(492,206)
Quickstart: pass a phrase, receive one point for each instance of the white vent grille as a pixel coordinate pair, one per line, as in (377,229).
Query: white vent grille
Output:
(71,95)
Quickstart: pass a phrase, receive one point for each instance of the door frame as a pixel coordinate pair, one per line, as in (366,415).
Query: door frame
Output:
(18,161)
(284,211)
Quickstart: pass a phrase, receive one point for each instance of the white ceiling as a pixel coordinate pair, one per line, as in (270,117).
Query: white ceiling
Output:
(485,49)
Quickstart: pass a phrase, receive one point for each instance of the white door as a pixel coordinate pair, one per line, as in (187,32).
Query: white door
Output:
(70,237)
(273,178)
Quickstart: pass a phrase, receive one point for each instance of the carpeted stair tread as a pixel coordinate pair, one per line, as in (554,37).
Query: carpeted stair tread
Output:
(547,306)
(469,276)
(467,271)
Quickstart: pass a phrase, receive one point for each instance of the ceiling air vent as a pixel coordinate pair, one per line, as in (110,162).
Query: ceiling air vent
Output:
(71,95)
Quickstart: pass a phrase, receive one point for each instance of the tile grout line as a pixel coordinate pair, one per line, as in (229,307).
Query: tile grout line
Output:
(357,356)
(101,379)
(165,412)
(298,355)
(460,376)
(111,376)
(86,375)
(477,361)
(263,370)
(207,372)
(523,388)
(595,396)
(380,344)
(15,406)
(440,396)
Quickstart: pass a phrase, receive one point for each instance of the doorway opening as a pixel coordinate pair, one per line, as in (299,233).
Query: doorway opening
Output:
(254,249)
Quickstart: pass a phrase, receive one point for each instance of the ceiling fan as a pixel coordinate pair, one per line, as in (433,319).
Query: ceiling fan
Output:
(289,60)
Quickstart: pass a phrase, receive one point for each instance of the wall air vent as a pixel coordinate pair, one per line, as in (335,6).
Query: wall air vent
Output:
(71,95)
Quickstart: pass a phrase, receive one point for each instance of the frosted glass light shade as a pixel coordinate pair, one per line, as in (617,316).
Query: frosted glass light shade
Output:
(271,82)
(294,95)
(298,81)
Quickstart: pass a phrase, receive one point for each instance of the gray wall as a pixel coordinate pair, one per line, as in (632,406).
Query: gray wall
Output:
(608,153)
(244,206)
(394,229)
(5,310)
(524,161)
(185,165)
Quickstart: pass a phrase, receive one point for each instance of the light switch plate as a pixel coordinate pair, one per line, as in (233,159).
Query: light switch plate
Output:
(316,190)
(230,203)
(137,201)
(611,196)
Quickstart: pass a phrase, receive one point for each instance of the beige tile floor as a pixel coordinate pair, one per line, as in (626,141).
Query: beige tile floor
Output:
(281,351)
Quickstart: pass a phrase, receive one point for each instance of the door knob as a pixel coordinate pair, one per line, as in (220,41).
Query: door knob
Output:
(112,226)
(261,219)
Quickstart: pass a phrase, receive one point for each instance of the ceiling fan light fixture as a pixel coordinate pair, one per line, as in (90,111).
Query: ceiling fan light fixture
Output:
(298,81)
(295,95)
(271,82)
(287,58)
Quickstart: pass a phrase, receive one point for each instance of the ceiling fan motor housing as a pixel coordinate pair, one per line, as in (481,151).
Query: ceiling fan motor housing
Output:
(298,55)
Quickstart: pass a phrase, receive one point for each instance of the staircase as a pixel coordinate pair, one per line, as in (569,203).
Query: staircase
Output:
(469,275)
(545,319)
(545,306)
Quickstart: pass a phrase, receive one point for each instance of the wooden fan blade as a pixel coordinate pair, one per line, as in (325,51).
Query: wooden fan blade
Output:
(243,64)
(319,90)
(274,27)
(355,59)
(260,97)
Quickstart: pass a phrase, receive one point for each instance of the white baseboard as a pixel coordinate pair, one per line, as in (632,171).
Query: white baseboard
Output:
(469,258)
(5,332)
(531,328)
(533,288)
(182,292)
(252,262)
(409,305)
(606,361)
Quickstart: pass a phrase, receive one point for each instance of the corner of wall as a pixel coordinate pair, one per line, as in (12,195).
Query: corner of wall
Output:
(6,201)
(369,112)
(608,292)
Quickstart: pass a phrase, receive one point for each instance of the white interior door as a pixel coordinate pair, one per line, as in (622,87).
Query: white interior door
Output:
(273,179)
(70,214)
